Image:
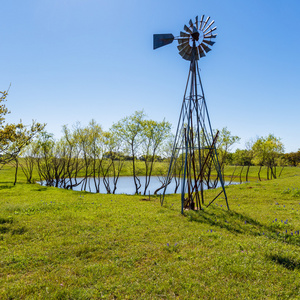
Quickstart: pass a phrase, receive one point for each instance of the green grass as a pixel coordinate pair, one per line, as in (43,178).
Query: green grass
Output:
(59,244)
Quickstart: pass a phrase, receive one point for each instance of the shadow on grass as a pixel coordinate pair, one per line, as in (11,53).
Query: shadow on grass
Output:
(238,223)
(287,262)
(8,220)
(9,185)
(41,189)
(5,186)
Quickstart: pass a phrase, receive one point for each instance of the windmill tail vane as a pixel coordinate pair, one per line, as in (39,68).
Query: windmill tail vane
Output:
(194,154)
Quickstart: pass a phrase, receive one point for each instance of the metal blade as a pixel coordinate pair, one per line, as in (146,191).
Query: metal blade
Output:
(205,23)
(183,46)
(183,40)
(184,34)
(201,51)
(201,22)
(191,23)
(212,22)
(187,56)
(187,49)
(197,22)
(208,32)
(160,40)
(208,42)
(211,36)
(186,53)
(183,52)
(206,48)
(187,29)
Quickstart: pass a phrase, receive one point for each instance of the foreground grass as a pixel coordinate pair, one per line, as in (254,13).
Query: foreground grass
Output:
(58,244)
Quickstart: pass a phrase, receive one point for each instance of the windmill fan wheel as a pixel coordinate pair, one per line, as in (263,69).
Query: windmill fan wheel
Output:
(199,33)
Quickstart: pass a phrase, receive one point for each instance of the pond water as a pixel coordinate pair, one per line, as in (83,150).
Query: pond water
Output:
(126,186)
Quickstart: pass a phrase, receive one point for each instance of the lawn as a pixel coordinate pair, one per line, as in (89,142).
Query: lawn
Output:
(59,244)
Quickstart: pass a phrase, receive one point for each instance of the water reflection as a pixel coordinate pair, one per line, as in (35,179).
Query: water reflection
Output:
(126,186)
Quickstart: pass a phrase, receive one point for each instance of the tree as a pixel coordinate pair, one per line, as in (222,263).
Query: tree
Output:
(242,157)
(28,162)
(175,173)
(94,151)
(14,137)
(130,130)
(44,149)
(114,157)
(292,158)
(266,152)
(224,145)
(153,135)
(74,163)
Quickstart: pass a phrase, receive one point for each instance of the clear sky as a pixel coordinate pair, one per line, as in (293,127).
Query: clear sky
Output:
(77,60)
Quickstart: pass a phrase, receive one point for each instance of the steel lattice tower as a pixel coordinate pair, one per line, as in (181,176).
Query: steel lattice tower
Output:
(194,148)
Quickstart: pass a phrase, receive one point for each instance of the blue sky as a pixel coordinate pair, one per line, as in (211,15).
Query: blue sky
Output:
(77,60)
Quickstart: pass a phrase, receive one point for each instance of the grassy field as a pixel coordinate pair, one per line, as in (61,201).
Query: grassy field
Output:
(59,244)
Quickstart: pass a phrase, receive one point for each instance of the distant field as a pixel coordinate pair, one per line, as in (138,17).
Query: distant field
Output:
(237,173)
(59,244)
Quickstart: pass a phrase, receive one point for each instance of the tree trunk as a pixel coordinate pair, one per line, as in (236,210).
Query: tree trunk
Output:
(16,173)
(259,173)
(162,186)
(280,172)
(232,175)
(273,172)
(241,174)
(247,173)
(136,180)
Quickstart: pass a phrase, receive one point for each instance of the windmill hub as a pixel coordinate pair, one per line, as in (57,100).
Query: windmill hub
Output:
(195,36)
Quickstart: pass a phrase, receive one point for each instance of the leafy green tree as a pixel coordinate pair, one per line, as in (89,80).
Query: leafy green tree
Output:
(224,145)
(89,141)
(44,148)
(292,158)
(242,157)
(95,150)
(130,130)
(153,135)
(74,163)
(266,152)
(14,137)
(114,157)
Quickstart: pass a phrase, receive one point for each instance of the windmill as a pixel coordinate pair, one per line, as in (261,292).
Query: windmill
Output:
(194,149)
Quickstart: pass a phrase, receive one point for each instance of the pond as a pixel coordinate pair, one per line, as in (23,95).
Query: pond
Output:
(126,186)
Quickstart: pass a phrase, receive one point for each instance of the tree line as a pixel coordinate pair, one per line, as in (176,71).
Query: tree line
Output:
(265,152)
(86,155)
